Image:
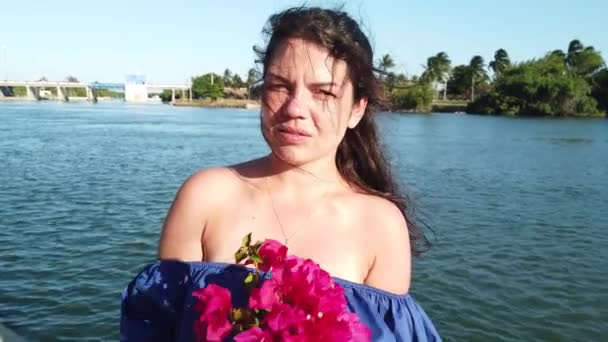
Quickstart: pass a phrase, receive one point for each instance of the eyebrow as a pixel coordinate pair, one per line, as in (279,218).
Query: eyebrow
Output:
(315,84)
(280,78)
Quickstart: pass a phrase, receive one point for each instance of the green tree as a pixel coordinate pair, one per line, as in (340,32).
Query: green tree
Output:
(253,77)
(600,89)
(459,85)
(559,53)
(500,63)
(227,78)
(208,86)
(167,94)
(387,77)
(437,69)
(584,61)
(390,81)
(574,47)
(444,65)
(478,73)
(385,63)
(237,82)
(415,97)
(542,87)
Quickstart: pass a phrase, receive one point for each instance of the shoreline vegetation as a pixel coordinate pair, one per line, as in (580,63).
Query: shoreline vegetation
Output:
(571,83)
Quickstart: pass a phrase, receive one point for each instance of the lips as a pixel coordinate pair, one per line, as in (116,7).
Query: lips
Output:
(291,136)
(293,130)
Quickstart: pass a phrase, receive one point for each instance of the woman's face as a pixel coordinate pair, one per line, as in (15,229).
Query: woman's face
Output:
(307,102)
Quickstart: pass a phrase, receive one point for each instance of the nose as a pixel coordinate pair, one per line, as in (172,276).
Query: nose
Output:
(295,105)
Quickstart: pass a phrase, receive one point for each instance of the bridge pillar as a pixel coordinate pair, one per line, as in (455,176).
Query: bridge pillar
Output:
(62,94)
(32,92)
(91,95)
(190,91)
(183,94)
(172,96)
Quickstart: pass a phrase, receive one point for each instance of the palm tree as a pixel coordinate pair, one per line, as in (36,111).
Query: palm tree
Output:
(437,69)
(385,63)
(558,53)
(584,61)
(575,46)
(500,63)
(574,49)
(478,71)
(253,76)
(443,66)
(227,78)
(390,81)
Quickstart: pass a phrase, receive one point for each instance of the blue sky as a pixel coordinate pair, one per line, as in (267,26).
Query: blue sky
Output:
(170,41)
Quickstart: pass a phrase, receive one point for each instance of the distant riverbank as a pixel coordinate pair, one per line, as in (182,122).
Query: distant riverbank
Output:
(52,99)
(456,107)
(220,103)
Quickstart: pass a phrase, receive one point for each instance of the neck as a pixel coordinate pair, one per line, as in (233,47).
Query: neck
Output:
(312,176)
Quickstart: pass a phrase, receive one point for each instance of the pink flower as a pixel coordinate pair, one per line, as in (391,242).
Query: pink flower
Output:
(305,285)
(214,303)
(357,331)
(254,334)
(346,328)
(265,297)
(301,302)
(272,254)
(284,317)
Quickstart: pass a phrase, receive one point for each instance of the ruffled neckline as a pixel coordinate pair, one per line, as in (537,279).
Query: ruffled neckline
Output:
(219,266)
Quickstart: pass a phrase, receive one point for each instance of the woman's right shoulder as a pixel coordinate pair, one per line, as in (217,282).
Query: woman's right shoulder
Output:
(220,182)
(209,182)
(201,196)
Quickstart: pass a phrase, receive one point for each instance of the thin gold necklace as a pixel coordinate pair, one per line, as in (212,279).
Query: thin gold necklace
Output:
(276,215)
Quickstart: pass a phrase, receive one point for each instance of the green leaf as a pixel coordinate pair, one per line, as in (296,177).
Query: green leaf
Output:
(256,259)
(257,245)
(241,254)
(252,280)
(246,240)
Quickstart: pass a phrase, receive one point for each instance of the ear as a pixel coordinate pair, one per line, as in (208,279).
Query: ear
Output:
(357,112)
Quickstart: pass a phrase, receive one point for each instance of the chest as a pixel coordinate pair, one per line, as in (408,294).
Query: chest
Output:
(331,234)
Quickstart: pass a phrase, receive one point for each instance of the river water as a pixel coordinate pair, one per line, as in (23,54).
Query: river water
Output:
(518,210)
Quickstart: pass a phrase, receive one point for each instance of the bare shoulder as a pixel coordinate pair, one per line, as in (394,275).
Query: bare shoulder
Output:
(196,200)
(390,243)
(216,178)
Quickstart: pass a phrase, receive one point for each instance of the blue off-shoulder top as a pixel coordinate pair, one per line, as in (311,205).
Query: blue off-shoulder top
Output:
(157,305)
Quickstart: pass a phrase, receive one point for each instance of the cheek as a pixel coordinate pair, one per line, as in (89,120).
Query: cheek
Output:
(273,101)
(332,120)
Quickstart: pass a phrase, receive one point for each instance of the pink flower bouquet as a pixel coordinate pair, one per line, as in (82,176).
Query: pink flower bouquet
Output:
(300,302)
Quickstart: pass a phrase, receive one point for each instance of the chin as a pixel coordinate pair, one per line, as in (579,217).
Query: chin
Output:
(292,155)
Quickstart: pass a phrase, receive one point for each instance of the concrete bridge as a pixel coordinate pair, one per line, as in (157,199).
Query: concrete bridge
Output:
(134,91)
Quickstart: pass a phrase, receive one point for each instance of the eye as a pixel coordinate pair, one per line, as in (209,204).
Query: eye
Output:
(277,87)
(326,94)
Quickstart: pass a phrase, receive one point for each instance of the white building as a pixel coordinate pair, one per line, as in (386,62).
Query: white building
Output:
(136,89)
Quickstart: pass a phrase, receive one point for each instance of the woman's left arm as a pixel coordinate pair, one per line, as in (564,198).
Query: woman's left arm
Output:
(391,269)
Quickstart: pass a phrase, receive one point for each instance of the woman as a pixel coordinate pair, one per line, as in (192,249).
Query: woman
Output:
(324,190)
